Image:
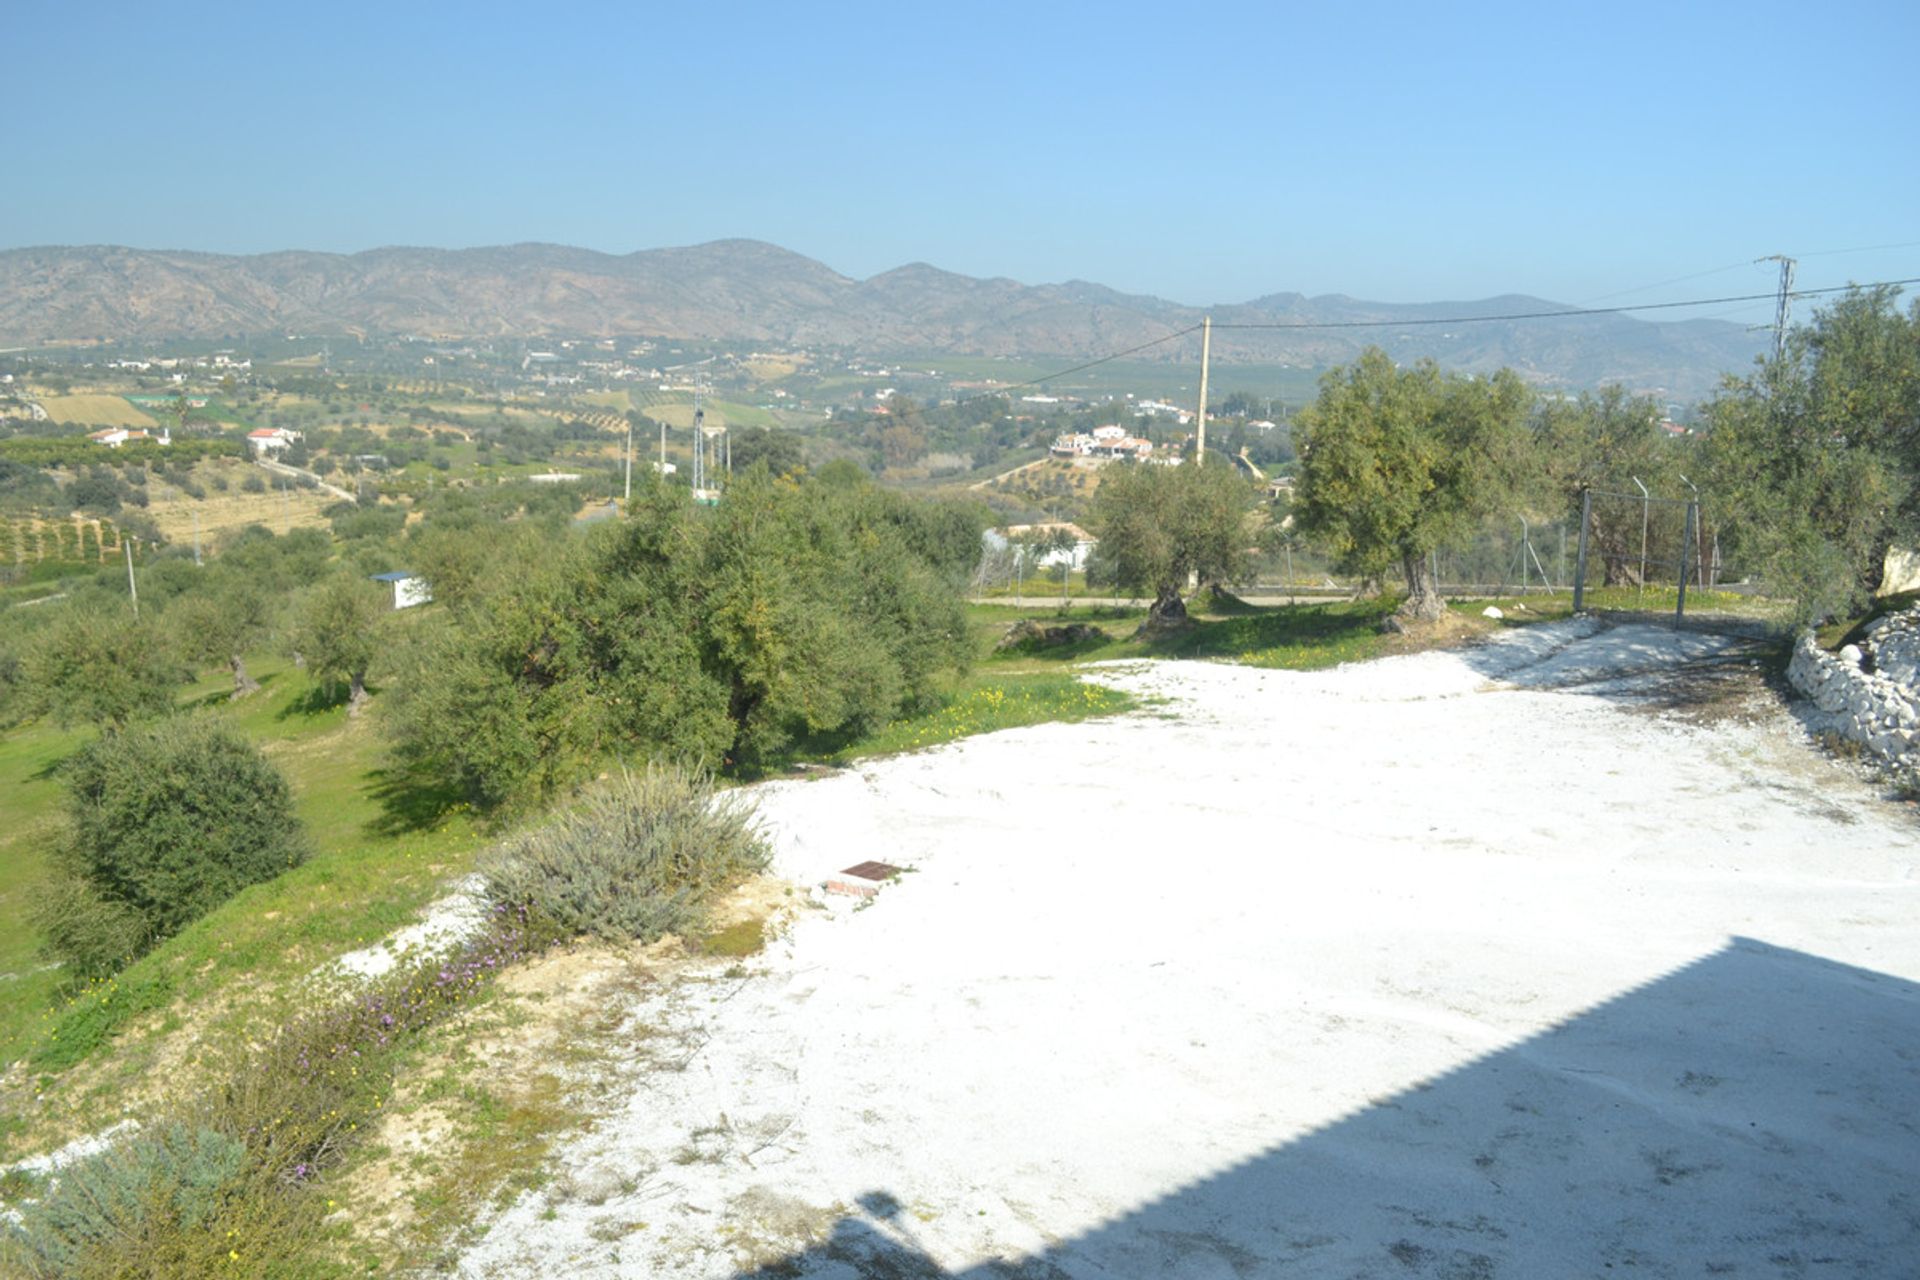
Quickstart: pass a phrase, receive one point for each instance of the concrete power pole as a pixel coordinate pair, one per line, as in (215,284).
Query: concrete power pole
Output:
(133,592)
(626,502)
(1784,302)
(1206,355)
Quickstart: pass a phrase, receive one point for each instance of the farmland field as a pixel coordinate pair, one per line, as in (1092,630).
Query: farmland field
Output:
(174,512)
(95,411)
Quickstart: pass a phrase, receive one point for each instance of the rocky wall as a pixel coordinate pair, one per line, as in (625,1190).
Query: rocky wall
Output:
(1868,693)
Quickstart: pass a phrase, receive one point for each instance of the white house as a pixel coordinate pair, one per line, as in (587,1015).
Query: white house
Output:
(265,440)
(114,437)
(1104,442)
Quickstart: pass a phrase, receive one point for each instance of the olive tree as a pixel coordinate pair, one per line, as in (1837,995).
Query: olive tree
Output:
(1395,463)
(221,622)
(337,631)
(1160,527)
(99,666)
(165,822)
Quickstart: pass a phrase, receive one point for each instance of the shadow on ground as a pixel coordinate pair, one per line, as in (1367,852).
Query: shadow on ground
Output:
(410,800)
(1754,1113)
(1701,668)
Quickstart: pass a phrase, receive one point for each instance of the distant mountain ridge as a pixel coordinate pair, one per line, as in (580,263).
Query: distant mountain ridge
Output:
(750,290)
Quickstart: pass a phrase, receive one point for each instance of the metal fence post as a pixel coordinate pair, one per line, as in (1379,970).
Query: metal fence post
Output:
(1580,564)
(1686,549)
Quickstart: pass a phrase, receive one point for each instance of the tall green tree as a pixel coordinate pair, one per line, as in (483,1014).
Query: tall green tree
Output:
(1396,463)
(1813,461)
(338,630)
(100,666)
(1605,440)
(1158,527)
(797,607)
(229,615)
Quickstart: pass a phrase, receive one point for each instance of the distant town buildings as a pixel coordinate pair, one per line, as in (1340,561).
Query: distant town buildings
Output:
(1151,408)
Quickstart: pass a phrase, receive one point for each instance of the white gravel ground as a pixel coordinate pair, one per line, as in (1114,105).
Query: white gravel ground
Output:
(1456,965)
(444,923)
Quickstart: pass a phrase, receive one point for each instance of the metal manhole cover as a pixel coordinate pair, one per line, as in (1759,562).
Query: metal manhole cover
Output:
(872,871)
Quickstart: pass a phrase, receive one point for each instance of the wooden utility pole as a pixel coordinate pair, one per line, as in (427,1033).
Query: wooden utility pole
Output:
(1206,354)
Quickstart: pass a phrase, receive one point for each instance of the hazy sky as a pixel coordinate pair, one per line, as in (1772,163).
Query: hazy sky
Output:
(1202,152)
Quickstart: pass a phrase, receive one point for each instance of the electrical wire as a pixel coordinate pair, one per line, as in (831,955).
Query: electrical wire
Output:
(1561,314)
(1661,284)
(997,392)
(1411,323)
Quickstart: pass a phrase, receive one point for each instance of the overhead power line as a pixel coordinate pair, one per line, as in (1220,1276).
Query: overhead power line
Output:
(1555,315)
(1774,297)
(1061,373)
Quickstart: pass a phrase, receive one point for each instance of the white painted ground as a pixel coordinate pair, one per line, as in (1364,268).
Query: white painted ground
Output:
(1392,970)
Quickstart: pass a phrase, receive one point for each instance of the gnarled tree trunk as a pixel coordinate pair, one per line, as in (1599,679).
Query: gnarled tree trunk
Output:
(1167,613)
(243,684)
(357,697)
(1423,602)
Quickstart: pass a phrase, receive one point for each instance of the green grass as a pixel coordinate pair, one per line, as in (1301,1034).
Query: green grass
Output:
(28,761)
(987,703)
(382,848)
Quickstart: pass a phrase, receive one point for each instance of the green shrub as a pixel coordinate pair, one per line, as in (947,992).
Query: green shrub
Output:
(91,935)
(104,1210)
(637,857)
(170,820)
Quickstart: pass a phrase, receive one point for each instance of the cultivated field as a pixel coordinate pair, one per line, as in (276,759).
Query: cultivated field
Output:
(220,513)
(95,411)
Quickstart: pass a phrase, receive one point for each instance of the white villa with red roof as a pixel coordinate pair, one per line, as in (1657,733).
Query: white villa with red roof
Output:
(266,440)
(114,437)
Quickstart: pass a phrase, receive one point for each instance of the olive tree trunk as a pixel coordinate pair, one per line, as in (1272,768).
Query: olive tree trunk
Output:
(1423,602)
(1167,610)
(243,684)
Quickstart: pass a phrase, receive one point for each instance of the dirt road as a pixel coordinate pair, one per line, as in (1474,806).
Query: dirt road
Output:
(1560,956)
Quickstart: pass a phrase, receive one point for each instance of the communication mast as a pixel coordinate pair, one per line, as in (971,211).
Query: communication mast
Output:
(1783,303)
(712,451)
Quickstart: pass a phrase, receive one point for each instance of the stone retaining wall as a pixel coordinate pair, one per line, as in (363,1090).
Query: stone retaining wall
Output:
(1869,694)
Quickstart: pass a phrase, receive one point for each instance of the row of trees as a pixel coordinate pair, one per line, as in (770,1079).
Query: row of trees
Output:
(799,609)
(1810,467)
(92,661)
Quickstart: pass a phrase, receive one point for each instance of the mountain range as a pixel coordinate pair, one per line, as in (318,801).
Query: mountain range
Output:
(752,291)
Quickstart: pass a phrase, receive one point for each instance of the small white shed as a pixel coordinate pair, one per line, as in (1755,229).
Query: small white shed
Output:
(409,589)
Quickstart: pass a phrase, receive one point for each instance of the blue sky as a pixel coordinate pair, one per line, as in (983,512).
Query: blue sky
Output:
(1205,153)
